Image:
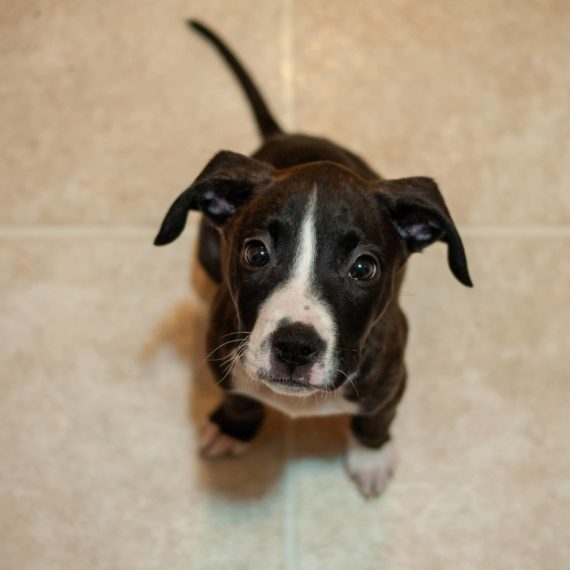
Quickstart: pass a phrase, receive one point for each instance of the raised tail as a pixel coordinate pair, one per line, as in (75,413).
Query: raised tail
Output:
(266,124)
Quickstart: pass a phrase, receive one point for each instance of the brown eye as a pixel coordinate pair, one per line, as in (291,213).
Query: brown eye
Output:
(363,269)
(255,253)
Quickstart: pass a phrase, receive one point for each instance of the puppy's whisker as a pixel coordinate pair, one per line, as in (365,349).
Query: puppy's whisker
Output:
(208,357)
(228,342)
(218,359)
(229,367)
(314,395)
(232,359)
(343,373)
(235,333)
(227,360)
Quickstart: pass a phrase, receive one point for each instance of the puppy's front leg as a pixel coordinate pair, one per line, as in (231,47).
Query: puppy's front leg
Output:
(231,426)
(371,458)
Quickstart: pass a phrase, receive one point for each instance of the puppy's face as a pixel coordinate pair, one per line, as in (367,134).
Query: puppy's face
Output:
(311,258)
(311,265)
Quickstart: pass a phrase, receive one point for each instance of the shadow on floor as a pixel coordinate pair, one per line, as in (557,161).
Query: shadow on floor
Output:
(279,442)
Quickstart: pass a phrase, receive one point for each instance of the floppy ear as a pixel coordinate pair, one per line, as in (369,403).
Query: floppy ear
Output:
(226,183)
(418,211)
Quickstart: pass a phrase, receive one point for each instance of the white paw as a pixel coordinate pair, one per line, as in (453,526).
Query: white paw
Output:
(371,469)
(214,444)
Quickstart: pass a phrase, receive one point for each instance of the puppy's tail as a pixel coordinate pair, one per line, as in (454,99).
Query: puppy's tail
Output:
(265,122)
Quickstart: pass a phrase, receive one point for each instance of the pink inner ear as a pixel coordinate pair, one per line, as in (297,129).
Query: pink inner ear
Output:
(220,205)
(419,231)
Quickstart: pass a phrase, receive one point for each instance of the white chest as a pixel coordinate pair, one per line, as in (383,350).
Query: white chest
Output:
(318,404)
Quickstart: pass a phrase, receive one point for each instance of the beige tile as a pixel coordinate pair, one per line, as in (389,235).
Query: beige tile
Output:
(111,109)
(482,433)
(100,409)
(471,93)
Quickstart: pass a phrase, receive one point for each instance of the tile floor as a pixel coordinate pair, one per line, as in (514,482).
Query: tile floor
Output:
(108,111)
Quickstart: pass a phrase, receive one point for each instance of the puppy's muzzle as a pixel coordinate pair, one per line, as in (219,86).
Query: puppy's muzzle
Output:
(295,349)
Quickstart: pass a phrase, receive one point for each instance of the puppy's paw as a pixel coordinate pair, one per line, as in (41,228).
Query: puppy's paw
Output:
(213,443)
(371,469)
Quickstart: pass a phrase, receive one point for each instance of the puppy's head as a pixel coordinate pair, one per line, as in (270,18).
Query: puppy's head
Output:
(312,256)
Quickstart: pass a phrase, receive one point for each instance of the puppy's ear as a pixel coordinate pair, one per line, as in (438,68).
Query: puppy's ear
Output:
(417,209)
(226,183)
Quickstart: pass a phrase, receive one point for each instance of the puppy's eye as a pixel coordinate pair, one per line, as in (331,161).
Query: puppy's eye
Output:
(255,253)
(363,269)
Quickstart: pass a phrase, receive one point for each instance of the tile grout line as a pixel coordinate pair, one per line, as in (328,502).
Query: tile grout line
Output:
(73,230)
(290,508)
(287,66)
(43,230)
(56,231)
(515,231)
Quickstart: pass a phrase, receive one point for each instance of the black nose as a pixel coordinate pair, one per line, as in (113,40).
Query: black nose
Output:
(297,344)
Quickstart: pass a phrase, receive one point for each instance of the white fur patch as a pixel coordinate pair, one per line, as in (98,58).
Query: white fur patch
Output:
(316,404)
(296,302)
(371,469)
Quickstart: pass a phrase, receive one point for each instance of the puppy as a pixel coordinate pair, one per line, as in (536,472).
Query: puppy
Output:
(309,247)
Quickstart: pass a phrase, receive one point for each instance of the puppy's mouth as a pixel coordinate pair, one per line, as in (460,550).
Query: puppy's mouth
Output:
(291,385)
(286,384)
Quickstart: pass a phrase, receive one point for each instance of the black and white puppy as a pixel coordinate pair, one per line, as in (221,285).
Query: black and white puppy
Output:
(308,245)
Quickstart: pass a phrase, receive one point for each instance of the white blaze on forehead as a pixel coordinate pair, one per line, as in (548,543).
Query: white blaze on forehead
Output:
(307,248)
(297,302)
